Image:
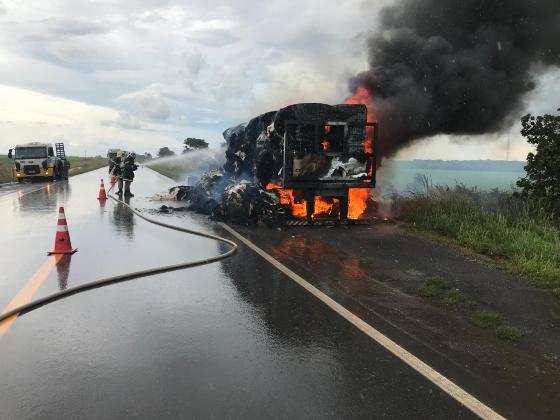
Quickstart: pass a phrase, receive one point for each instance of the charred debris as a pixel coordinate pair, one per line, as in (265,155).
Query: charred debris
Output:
(305,164)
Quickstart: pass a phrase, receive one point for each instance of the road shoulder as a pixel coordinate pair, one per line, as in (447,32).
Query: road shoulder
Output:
(383,272)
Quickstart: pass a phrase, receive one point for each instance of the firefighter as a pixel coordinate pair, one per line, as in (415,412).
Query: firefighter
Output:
(112,164)
(127,174)
(117,171)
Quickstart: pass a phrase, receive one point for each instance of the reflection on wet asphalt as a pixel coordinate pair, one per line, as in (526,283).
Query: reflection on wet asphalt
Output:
(233,339)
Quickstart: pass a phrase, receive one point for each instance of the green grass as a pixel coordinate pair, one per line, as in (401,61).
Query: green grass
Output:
(486,319)
(434,287)
(515,232)
(5,169)
(508,333)
(175,172)
(453,297)
(367,262)
(78,165)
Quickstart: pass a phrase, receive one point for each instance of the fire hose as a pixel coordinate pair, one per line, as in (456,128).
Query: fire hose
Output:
(128,276)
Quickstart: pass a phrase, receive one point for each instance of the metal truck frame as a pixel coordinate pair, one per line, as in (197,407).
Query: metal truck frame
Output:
(335,188)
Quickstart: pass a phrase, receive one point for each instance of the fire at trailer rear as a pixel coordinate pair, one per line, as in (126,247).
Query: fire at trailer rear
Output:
(328,161)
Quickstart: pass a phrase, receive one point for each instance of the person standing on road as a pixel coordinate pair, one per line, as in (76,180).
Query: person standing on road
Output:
(117,171)
(127,175)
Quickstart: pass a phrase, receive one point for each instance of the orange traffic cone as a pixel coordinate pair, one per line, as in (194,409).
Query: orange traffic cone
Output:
(62,244)
(102,194)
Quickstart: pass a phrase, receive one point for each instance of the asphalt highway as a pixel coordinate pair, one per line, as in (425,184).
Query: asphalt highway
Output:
(235,339)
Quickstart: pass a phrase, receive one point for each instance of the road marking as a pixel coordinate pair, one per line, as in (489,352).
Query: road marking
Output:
(415,363)
(26,293)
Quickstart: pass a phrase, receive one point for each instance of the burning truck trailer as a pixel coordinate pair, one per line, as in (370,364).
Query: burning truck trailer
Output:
(328,162)
(306,164)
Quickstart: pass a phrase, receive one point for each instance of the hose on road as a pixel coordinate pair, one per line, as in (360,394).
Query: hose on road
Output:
(128,276)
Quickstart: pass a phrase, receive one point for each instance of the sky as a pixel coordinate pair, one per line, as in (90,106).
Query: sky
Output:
(143,74)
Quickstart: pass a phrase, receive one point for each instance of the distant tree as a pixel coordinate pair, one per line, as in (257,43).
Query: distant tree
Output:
(542,181)
(165,152)
(147,155)
(191,144)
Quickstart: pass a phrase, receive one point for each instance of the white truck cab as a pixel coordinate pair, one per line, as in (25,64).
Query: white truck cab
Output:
(39,160)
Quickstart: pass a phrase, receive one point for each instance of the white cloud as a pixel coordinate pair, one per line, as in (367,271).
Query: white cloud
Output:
(123,120)
(148,102)
(28,115)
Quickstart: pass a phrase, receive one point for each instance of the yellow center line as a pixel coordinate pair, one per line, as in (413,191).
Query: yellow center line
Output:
(26,293)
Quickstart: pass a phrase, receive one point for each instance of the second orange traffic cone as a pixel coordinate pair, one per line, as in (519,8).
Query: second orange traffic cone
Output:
(102,193)
(62,244)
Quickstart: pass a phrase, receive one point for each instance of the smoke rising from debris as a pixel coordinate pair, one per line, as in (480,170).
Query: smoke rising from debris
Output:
(456,66)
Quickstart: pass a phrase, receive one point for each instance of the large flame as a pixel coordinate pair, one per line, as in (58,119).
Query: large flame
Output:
(358,197)
(287,198)
(357,202)
(324,206)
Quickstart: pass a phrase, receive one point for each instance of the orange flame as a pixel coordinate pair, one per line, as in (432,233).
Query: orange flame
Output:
(358,197)
(324,207)
(287,198)
(357,202)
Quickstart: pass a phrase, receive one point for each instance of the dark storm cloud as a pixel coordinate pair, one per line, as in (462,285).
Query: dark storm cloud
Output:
(457,66)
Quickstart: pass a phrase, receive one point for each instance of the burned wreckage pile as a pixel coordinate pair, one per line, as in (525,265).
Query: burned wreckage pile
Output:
(307,163)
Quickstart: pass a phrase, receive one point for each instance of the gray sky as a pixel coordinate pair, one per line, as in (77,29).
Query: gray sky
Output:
(147,73)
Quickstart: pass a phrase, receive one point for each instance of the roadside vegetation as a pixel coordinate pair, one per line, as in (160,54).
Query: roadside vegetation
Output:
(513,231)
(519,229)
(175,172)
(78,165)
(5,171)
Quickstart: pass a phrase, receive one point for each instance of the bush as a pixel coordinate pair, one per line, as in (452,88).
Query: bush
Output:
(433,287)
(508,333)
(542,182)
(486,319)
(453,297)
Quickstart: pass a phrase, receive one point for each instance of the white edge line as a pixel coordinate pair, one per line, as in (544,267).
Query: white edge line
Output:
(449,387)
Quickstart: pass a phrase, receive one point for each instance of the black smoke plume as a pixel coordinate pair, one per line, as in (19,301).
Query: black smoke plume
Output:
(456,66)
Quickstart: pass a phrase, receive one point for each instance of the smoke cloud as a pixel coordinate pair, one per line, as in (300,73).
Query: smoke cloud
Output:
(456,66)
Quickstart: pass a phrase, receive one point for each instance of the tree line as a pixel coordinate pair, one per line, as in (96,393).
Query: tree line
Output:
(190,144)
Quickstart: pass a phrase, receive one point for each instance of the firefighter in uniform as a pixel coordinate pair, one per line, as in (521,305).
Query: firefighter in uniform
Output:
(117,170)
(127,174)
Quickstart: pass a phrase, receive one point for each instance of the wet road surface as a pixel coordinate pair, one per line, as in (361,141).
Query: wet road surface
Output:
(231,339)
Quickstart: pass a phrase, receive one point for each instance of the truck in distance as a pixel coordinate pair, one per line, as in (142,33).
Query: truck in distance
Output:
(39,160)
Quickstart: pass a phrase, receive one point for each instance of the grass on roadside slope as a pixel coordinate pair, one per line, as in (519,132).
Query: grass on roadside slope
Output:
(5,169)
(495,224)
(174,172)
(78,165)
